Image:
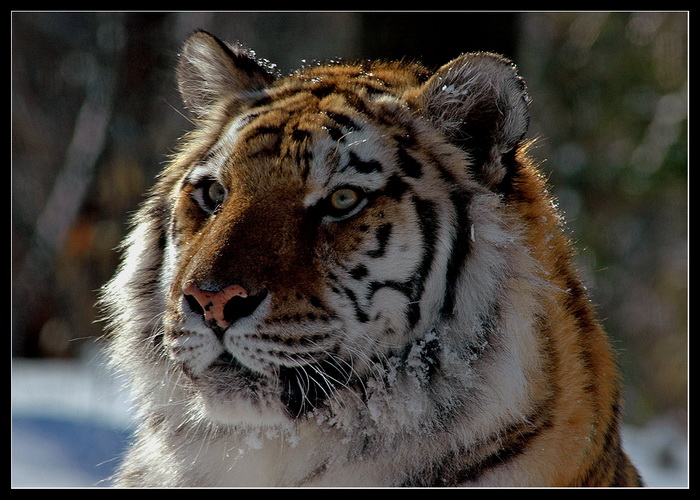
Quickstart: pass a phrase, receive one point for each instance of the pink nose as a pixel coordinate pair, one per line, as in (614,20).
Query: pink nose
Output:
(213,303)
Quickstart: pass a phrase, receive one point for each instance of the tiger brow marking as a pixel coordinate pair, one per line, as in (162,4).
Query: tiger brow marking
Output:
(336,134)
(343,120)
(363,166)
(408,164)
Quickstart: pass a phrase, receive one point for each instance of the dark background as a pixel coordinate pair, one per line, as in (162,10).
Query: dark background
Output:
(95,114)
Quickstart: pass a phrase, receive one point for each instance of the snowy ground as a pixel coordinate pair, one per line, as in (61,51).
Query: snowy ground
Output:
(70,424)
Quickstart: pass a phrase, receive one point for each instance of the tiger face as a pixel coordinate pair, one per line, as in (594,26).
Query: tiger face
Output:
(308,245)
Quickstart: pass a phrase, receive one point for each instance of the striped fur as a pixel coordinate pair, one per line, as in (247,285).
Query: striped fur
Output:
(407,312)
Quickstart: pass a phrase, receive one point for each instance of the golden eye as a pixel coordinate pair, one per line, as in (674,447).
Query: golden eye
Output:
(344,202)
(344,199)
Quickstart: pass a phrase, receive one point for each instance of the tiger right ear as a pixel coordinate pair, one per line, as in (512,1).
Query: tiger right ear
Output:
(210,69)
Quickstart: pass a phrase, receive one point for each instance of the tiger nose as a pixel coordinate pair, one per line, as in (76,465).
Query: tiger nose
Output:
(223,307)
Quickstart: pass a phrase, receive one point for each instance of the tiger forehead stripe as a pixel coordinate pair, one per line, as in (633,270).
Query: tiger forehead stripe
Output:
(362,166)
(217,154)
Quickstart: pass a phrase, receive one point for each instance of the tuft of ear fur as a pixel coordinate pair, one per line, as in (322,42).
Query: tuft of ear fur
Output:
(481,104)
(210,69)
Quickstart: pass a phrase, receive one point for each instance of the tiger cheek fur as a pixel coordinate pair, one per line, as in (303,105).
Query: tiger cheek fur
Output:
(354,275)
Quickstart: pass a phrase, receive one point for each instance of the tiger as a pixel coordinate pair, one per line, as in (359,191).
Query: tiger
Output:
(355,275)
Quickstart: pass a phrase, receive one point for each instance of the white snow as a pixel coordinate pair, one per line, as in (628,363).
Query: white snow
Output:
(70,422)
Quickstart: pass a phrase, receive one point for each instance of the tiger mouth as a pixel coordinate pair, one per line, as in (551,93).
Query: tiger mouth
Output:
(301,389)
(226,369)
(227,361)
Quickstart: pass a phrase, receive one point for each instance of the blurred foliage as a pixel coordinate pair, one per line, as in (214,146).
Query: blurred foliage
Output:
(610,101)
(95,113)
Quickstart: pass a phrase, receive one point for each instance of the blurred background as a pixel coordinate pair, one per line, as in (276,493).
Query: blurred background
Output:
(95,113)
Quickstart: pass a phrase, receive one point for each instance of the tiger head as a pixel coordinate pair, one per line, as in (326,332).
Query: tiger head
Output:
(317,230)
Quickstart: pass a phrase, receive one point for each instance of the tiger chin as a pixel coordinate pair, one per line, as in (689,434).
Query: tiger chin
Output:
(354,275)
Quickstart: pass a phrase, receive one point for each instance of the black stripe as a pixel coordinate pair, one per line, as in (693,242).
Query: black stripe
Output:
(523,435)
(339,289)
(299,135)
(272,130)
(335,133)
(245,60)
(360,105)
(298,149)
(321,91)
(509,443)
(316,302)
(469,463)
(383,233)
(461,247)
(274,147)
(359,272)
(361,315)
(261,99)
(407,139)
(343,121)
(395,187)
(364,166)
(408,164)
(576,303)
(414,287)
(606,467)
(404,288)
(427,218)
(341,125)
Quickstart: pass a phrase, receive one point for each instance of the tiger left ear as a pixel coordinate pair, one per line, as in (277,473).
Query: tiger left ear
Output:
(481,104)
(211,70)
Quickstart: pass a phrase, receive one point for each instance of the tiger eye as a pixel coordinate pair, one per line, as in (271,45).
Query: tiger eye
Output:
(344,199)
(216,193)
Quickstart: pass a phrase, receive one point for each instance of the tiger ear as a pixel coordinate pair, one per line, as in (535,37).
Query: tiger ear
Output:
(481,104)
(210,69)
